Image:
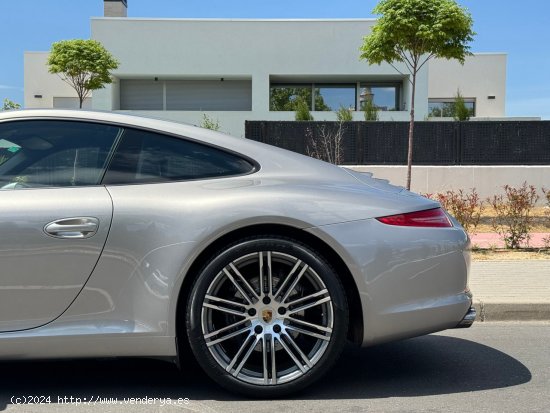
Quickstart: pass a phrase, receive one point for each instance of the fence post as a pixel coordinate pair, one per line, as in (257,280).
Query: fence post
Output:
(459,143)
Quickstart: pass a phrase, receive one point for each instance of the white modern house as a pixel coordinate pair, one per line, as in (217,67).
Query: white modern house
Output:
(235,70)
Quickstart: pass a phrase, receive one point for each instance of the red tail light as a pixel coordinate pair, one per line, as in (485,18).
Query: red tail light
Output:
(427,218)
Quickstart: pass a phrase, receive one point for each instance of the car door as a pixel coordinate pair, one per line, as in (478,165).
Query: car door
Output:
(54,215)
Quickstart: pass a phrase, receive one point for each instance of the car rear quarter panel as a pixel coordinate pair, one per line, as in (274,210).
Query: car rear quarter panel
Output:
(411,281)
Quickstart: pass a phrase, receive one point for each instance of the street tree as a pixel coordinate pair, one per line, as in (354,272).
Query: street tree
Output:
(84,64)
(412,32)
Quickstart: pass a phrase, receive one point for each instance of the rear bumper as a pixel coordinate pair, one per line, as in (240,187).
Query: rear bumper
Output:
(468,319)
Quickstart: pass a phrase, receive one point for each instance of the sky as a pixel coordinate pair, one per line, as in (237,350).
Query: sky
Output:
(519,28)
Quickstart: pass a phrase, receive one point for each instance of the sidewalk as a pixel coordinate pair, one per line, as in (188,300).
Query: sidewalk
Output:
(493,240)
(511,290)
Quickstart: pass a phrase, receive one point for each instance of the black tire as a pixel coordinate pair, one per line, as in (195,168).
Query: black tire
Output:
(279,359)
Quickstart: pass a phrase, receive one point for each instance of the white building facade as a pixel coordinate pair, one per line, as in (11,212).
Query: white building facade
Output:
(236,70)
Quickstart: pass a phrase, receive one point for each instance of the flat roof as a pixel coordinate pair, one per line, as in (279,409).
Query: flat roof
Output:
(232,19)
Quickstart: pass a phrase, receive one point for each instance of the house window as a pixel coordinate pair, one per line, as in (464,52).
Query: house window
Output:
(283,97)
(318,96)
(384,96)
(444,108)
(332,96)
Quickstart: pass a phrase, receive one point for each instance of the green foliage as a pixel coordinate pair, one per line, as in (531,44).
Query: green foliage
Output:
(10,105)
(460,111)
(302,110)
(370,110)
(410,29)
(210,123)
(344,115)
(84,64)
(513,220)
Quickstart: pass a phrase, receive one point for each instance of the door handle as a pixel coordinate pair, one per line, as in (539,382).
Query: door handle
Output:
(80,227)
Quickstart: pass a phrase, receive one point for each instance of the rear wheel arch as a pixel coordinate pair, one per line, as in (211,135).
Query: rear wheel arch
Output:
(355,328)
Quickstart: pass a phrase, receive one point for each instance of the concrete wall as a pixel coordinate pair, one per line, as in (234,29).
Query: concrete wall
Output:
(39,82)
(481,76)
(311,50)
(487,180)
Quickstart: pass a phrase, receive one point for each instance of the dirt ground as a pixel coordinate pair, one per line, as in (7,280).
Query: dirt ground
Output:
(503,255)
(541,220)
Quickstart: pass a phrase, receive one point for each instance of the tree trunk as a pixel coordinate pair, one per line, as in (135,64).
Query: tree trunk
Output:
(411,132)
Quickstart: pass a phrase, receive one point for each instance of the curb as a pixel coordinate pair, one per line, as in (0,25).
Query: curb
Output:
(507,311)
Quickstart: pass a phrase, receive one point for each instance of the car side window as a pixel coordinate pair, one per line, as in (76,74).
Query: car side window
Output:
(54,153)
(147,157)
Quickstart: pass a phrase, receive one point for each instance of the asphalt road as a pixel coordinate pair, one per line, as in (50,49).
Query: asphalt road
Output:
(490,367)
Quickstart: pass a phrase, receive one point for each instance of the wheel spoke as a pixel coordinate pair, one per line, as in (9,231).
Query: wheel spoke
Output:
(225,310)
(264,354)
(288,277)
(245,358)
(273,365)
(269,275)
(223,300)
(241,349)
(221,330)
(306,306)
(298,350)
(294,283)
(308,297)
(305,323)
(261,261)
(236,284)
(243,280)
(293,356)
(309,333)
(228,336)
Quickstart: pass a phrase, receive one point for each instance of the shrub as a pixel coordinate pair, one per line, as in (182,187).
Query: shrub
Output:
(344,115)
(465,207)
(210,123)
(370,110)
(302,110)
(326,145)
(460,111)
(513,220)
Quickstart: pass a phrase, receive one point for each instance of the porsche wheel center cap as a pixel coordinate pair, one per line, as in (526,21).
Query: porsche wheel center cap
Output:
(267,315)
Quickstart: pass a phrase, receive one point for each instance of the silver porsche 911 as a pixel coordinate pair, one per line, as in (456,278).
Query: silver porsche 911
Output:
(127,236)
